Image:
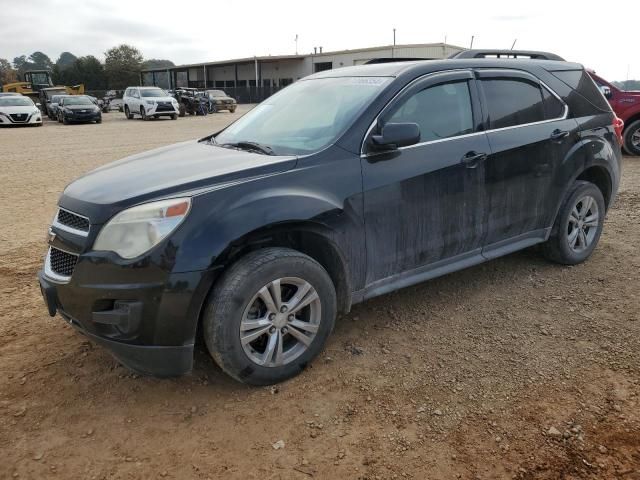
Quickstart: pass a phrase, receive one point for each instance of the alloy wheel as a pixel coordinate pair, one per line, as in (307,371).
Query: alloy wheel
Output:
(635,139)
(583,223)
(280,322)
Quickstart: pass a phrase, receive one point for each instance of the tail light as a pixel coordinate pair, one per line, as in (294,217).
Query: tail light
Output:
(618,126)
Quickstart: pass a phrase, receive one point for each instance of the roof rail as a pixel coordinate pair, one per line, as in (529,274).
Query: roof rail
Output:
(497,53)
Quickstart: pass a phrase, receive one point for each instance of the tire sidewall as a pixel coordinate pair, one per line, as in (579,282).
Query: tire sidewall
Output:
(581,190)
(222,325)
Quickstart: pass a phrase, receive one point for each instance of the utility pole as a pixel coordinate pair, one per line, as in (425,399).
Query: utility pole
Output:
(296,43)
(393,53)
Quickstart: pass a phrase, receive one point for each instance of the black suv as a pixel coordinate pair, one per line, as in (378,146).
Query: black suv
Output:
(348,184)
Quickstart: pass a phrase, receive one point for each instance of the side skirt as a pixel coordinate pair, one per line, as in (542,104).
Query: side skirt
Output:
(450,265)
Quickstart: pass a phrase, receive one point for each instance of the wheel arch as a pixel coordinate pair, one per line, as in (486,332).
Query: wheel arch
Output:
(601,178)
(312,239)
(631,119)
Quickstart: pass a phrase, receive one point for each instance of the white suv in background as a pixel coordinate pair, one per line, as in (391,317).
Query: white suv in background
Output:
(149,102)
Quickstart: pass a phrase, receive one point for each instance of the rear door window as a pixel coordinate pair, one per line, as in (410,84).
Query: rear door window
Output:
(440,111)
(512,102)
(553,107)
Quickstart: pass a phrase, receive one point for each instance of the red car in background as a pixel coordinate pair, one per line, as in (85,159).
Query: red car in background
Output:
(626,105)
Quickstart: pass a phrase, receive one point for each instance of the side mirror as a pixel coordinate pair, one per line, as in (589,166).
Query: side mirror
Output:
(606,91)
(38,105)
(396,135)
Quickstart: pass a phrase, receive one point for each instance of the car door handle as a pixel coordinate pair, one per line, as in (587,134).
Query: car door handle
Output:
(558,134)
(472,159)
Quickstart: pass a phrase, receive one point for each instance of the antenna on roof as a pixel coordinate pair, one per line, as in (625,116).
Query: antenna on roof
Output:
(471,46)
(296,43)
(514,43)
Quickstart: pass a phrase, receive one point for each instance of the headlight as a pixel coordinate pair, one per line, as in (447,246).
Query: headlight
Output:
(150,102)
(218,101)
(68,110)
(137,230)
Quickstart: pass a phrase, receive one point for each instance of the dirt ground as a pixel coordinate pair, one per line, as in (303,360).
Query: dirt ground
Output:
(517,368)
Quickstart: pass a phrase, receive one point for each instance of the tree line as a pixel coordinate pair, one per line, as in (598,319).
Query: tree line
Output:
(120,69)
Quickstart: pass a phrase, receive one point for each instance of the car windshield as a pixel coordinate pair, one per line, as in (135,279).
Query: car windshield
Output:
(153,92)
(15,101)
(55,99)
(217,93)
(306,116)
(78,101)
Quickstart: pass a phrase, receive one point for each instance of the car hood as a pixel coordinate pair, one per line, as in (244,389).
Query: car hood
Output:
(180,169)
(223,98)
(20,109)
(158,99)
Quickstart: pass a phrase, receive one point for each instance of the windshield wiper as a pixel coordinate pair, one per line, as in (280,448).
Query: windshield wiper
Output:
(250,146)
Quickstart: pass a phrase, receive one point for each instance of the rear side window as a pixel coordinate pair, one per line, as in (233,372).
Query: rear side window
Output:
(441,111)
(512,102)
(581,81)
(553,108)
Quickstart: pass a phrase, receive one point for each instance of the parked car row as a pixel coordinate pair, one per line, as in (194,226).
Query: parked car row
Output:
(154,102)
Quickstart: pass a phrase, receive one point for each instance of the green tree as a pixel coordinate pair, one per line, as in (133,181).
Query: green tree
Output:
(40,61)
(7,73)
(154,63)
(65,60)
(122,66)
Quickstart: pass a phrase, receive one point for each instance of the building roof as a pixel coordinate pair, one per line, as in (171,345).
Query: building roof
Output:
(300,56)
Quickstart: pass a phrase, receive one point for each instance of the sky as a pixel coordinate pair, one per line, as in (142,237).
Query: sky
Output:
(198,30)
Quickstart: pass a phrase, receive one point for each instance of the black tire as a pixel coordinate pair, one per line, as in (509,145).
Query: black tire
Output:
(557,247)
(64,120)
(143,114)
(59,118)
(99,120)
(629,132)
(174,117)
(183,110)
(128,113)
(232,110)
(236,288)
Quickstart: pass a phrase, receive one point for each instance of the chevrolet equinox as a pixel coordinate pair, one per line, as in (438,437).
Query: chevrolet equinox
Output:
(348,184)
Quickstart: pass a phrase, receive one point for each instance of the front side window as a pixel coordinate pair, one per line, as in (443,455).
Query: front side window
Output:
(512,102)
(441,111)
(306,116)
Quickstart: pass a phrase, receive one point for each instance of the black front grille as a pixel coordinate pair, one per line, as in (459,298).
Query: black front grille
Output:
(19,117)
(62,263)
(164,107)
(72,220)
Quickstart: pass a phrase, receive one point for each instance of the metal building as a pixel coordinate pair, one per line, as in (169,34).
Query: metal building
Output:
(255,78)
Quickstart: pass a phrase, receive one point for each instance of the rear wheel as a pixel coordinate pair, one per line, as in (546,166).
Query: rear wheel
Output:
(632,138)
(269,315)
(578,225)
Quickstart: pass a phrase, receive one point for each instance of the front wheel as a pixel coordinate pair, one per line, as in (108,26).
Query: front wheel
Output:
(128,113)
(632,138)
(578,225)
(143,114)
(269,315)
(174,116)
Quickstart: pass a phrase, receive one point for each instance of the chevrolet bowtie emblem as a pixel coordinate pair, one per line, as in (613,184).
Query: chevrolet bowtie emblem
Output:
(51,236)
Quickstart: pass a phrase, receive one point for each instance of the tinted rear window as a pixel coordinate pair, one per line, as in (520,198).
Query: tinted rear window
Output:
(553,108)
(512,102)
(582,82)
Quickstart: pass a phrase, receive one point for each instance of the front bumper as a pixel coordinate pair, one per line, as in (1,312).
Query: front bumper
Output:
(225,106)
(149,327)
(82,117)
(32,119)
(161,109)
